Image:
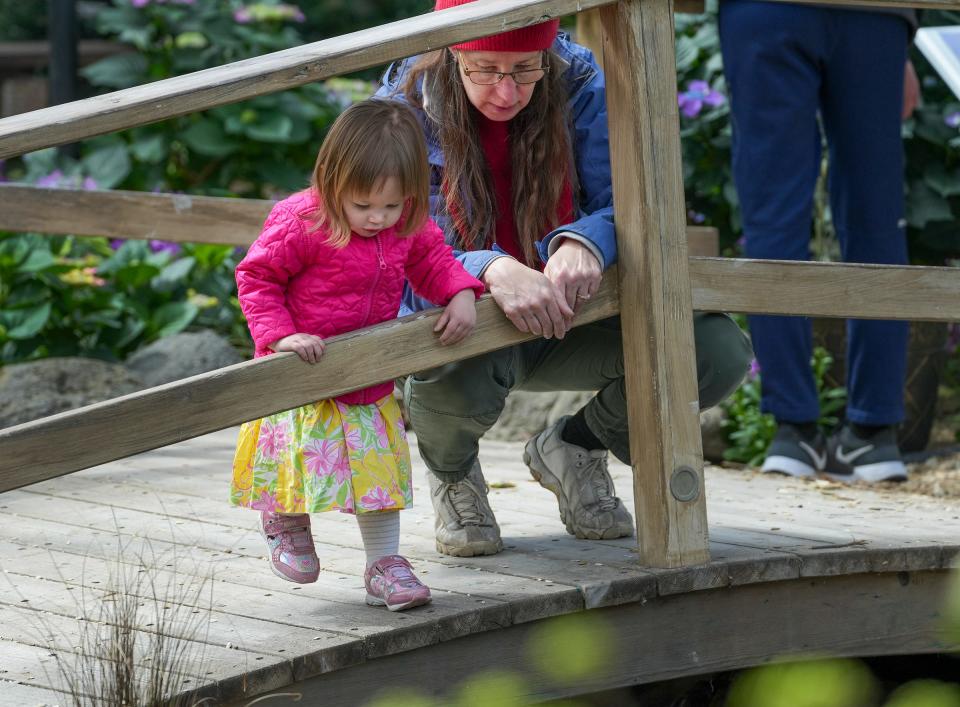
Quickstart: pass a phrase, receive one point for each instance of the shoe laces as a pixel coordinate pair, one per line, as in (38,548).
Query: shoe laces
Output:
(595,469)
(465,502)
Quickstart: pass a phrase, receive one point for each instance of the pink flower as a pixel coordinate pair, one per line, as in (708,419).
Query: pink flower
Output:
(242,16)
(139,3)
(380,428)
(323,457)
(377,500)
(267,502)
(273,438)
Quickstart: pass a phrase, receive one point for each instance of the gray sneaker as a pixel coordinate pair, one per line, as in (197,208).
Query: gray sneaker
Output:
(579,479)
(464,524)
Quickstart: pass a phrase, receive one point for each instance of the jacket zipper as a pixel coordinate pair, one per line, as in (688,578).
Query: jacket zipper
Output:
(376,279)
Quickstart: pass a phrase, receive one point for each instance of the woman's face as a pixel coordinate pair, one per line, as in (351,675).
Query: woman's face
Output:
(500,101)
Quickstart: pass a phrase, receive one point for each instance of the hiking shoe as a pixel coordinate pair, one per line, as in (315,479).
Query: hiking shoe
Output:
(580,480)
(851,458)
(464,525)
(292,554)
(794,453)
(390,582)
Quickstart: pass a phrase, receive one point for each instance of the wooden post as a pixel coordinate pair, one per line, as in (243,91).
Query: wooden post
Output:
(656,307)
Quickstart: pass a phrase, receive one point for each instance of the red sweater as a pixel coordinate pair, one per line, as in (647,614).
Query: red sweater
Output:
(495,143)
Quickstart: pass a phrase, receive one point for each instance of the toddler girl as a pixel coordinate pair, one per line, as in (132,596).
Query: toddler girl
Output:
(331,259)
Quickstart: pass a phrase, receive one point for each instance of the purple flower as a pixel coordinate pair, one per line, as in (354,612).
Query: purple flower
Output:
(116,243)
(242,16)
(953,120)
(139,3)
(51,180)
(164,247)
(695,216)
(89,183)
(754,370)
(697,95)
(953,338)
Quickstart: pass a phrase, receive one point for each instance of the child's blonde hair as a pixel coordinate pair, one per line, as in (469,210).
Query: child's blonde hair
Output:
(372,141)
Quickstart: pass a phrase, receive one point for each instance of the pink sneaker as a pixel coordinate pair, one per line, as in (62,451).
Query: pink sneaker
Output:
(390,582)
(292,555)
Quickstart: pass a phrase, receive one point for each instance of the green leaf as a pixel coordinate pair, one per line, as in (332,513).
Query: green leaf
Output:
(173,317)
(687,53)
(108,165)
(135,275)
(151,148)
(925,205)
(942,182)
(24,323)
(37,260)
(276,128)
(206,137)
(117,71)
(172,275)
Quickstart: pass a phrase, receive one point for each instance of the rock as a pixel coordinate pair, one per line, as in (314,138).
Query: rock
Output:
(29,391)
(180,356)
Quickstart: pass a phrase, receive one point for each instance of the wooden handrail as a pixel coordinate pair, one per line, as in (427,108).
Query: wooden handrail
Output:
(211,401)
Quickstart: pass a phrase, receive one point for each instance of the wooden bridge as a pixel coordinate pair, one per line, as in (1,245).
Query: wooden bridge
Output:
(783,566)
(796,568)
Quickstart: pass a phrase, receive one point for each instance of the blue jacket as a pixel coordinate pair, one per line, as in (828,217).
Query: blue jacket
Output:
(588,106)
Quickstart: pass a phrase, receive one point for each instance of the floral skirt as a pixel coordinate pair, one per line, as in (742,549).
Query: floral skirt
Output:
(322,457)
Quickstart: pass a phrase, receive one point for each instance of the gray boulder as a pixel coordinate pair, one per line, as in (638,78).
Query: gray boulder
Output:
(181,356)
(29,391)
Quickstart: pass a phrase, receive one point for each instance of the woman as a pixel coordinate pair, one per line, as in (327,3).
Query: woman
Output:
(516,129)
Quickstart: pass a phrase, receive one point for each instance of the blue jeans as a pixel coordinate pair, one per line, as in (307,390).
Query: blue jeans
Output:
(784,64)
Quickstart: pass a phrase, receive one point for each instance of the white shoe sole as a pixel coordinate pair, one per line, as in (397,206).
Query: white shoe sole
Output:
(874,473)
(777,464)
(377,601)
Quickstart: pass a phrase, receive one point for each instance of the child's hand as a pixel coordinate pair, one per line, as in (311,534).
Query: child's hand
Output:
(306,346)
(458,318)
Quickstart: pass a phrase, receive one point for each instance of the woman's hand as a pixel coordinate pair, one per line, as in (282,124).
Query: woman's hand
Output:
(529,299)
(306,346)
(575,271)
(458,318)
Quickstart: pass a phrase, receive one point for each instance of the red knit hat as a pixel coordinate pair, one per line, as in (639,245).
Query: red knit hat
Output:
(526,39)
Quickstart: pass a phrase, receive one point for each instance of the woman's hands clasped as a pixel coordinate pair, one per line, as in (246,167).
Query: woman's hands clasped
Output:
(545,303)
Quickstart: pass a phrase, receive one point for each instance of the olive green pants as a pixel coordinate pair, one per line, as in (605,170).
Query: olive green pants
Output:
(451,407)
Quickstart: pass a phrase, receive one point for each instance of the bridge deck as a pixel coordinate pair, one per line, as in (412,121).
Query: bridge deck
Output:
(157,527)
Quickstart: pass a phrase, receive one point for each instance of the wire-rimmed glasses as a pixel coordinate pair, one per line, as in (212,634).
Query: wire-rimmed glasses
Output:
(484,77)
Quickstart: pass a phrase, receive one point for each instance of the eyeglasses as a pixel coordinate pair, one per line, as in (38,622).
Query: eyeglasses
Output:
(489,78)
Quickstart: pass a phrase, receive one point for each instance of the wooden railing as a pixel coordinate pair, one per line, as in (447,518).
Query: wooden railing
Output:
(655,285)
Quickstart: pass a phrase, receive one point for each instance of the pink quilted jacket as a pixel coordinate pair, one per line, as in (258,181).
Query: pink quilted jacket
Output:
(292,281)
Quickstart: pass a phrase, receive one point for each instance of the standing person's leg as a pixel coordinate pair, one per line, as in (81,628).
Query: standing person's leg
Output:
(771,56)
(570,457)
(862,104)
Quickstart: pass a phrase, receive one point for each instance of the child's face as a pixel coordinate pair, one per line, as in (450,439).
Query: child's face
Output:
(368,214)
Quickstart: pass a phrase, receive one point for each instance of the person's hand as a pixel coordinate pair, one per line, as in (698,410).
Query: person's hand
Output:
(911,90)
(528,298)
(306,346)
(458,318)
(575,271)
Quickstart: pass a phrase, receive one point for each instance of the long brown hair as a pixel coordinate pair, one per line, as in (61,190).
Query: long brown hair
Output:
(540,152)
(369,142)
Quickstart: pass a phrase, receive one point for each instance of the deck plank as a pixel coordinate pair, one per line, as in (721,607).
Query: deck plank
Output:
(64,537)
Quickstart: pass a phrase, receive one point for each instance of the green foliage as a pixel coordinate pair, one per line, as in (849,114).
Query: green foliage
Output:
(932,144)
(925,693)
(825,683)
(550,648)
(259,148)
(64,296)
(749,431)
